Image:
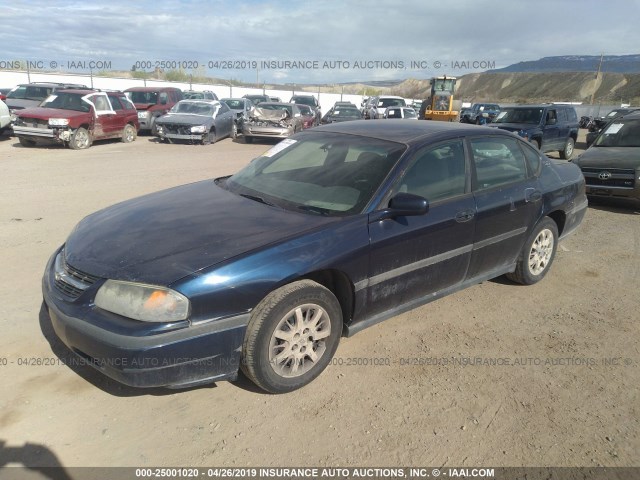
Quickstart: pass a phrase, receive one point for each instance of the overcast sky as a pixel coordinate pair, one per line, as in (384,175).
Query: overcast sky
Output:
(462,35)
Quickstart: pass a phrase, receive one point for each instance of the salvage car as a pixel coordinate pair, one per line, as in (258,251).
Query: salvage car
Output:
(342,114)
(328,232)
(199,95)
(197,121)
(28,95)
(152,103)
(272,120)
(309,118)
(611,166)
(256,99)
(549,127)
(241,108)
(77,118)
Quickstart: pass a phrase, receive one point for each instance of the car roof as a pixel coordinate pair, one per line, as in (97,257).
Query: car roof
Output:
(150,89)
(79,91)
(408,132)
(200,100)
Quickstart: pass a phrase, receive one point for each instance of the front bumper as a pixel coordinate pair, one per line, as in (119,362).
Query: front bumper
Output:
(266,132)
(56,134)
(136,356)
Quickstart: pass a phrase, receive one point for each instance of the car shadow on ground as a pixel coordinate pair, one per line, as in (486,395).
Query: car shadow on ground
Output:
(614,205)
(80,366)
(32,459)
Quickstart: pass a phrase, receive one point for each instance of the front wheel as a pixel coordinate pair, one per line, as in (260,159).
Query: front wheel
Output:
(234,131)
(537,254)
(209,138)
(80,139)
(567,151)
(248,139)
(129,133)
(291,337)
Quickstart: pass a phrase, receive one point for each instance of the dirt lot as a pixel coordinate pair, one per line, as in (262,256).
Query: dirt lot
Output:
(569,396)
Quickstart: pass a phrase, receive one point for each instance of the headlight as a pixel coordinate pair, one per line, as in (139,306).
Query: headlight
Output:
(147,303)
(199,129)
(58,122)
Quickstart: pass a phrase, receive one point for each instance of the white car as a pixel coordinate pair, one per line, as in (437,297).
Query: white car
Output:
(5,117)
(387,101)
(400,112)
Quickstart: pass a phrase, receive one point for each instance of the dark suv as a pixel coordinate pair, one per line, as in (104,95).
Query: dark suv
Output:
(151,103)
(27,95)
(549,127)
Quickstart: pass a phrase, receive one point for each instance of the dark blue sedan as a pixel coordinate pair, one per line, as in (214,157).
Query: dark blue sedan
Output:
(329,232)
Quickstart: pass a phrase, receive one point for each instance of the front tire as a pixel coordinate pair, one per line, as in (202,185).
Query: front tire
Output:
(567,151)
(537,253)
(248,139)
(80,139)
(209,138)
(292,336)
(129,133)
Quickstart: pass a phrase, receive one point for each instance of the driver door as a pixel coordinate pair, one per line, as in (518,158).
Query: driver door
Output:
(414,256)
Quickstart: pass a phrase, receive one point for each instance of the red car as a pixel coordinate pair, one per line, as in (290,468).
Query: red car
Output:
(77,118)
(309,118)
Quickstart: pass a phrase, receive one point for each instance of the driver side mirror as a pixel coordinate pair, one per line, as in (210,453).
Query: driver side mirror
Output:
(402,205)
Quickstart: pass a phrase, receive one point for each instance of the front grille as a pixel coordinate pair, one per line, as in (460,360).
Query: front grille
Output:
(69,280)
(34,122)
(609,177)
(176,128)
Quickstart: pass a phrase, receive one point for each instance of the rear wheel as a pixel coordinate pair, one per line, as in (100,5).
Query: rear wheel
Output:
(535,143)
(567,151)
(537,253)
(129,133)
(80,139)
(292,336)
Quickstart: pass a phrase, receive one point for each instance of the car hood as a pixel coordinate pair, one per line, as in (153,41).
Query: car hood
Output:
(610,157)
(162,237)
(185,119)
(513,127)
(46,113)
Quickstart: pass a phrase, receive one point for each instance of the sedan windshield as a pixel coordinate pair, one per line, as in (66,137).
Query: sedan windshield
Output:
(66,101)
(346,112)
(622,133)
(519,115)
(320,173)
(193,108)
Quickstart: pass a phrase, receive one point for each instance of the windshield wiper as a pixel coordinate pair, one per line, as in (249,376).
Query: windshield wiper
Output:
(318,210)
(256,199)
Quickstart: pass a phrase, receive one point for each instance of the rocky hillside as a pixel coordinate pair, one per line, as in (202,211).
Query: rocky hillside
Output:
(609,88)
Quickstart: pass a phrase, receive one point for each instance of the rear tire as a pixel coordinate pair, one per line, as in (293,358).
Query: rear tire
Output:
(291,337)
(537,254)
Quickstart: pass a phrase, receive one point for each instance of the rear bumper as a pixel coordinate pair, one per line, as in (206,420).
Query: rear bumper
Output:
(206,352)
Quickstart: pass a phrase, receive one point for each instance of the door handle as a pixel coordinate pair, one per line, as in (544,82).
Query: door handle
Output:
(532,195)
(464,216)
